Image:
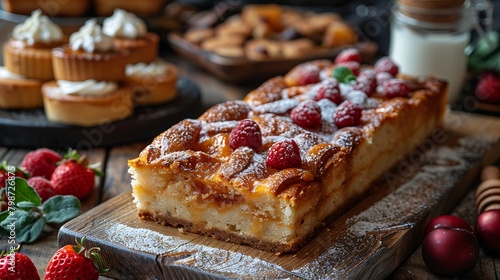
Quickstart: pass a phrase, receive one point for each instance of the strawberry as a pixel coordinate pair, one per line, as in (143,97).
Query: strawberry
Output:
(41,162)
(73,176)
(42,186)
(17,266)
(75,262)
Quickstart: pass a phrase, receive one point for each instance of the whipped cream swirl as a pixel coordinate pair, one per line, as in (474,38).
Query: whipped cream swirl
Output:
(37,29)
(124,24)
(156,68)
(90,38)
(6,74)
(88,87)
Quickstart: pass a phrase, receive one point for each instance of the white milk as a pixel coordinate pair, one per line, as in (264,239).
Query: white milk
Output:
(438,54)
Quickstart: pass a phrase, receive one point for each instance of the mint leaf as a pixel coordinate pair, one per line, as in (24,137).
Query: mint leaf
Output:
(59,209)
(21,191)
(343,75)
(17,219)
(31,232)
(25,205)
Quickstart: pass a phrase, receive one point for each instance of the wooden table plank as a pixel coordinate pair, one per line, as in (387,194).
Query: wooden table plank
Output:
(117,178)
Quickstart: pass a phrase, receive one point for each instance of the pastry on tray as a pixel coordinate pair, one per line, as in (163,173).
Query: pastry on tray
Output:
(90,84)
(271,170)
(19,92)
(264,27)
(86,103)
(69,8)
(28,52)
(153,83)
(89,55)
(142,8)
(130,34)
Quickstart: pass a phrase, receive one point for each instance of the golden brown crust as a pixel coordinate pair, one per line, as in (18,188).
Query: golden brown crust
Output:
(70,8)
(20,94)
(30,61)
(144,49)
(86,110)
(154,89)
(140,8)
(72,65)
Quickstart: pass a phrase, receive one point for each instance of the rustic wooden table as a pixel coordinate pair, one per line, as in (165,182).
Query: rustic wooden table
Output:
(117,181)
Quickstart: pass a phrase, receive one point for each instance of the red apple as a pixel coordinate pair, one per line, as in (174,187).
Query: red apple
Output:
(450,251)
(448,221)
(488,230)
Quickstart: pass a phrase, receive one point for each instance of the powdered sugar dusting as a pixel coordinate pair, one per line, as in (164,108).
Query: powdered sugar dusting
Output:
(178,251)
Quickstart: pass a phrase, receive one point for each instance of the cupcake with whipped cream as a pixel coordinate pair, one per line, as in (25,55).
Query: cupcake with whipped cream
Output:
(28,52)
(89,55)
(152,83)
(19,92)
(130,33)
(86,103)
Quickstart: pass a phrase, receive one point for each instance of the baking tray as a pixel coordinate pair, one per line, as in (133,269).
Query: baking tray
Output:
(245,70)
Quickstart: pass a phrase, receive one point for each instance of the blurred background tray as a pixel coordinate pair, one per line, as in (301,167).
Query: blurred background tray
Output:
(246,70)
(31,129)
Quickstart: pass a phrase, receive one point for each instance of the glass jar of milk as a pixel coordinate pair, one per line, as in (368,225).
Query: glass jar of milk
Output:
(430,37)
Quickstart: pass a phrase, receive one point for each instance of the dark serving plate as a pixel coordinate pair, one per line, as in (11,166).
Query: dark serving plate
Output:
(31,129)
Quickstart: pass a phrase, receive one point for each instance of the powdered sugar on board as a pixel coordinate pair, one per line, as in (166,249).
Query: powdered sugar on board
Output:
(219,261)
(347,242)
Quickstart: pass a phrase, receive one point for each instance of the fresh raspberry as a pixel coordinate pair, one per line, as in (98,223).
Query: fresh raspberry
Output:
(382,77)
(42,186)
(310,74)
(307,114)
(488,88)
(385,64)
(348,55)
(368,73)
(366,84)
(246,133)
(329,89)
(347,114)
(41,162)
(354,66)
(284,154)
(396,87)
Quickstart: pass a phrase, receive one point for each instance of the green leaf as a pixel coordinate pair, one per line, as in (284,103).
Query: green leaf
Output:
(21,191)
(25,205)
(59,208)
(4,215)
(17,219)
(31,232)
(343,75)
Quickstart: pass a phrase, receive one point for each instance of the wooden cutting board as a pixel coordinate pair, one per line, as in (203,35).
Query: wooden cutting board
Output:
(368,241)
